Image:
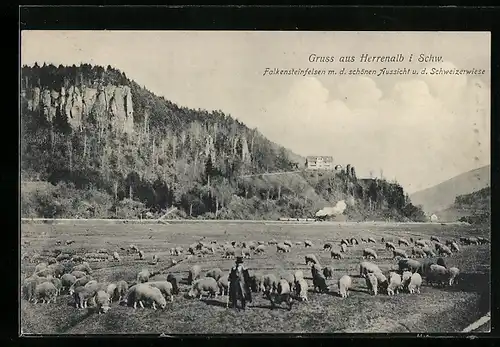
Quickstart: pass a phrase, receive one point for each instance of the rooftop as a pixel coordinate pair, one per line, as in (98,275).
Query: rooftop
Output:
(316,157)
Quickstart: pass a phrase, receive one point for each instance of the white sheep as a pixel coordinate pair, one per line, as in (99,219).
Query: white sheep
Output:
(288,243)
(301,288)
(308,243)
(369,253)
(395,283)
(143,292)
(418,252)
(260,249)
(245,252)
(143,276)
(402,241)
(81,295)
(415,283)
(67,280)
(230,253)
(298,275)
(141,255)
(194,273)
(223,284)
(336,255)
(207,284)
(454,272)
(215,273)
(121,289)
(454,247)
(46,292)
(102,301)
(311,258)
(366,267)
(390,246)
(111,290)
(116,256)
(444,250)
(344,284)
(428,251)
(399,253)
(165,288)
(421,243)
(371,239)
(281,247)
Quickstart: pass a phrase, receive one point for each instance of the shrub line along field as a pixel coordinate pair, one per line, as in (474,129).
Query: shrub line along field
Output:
(435,309)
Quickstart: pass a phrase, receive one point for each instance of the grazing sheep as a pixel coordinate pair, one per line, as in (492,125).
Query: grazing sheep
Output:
(438,246)
(281,247)
(223,284)
(327,246)
(415,283)
(343,248)
(411,239)
(411,265)
(437,274)
(390,246)
(260,243)
(102,300)
(178,250)
(336,255)
(80,282)
(311,258)
(215,273)
(260,249)
(272,242)
(345,242)
(28,289)
(174,280)
(399,253)
(81,295)
(39,267)
(245,252)
(78,274)
(434,238)
(165,288)
(229,253)
(283,294)
(57,283)
(121,289)
(251,245)
(328,272)
(288,243)
(428,251)
(143,292)
(363,240)
(207,284)
(194,273)
(143,276)
(421,243)
(405,279)
(111,290)
(371,239)
(344,284)
(441,262)
(417,252)
(51,261)
(366,267)
(369,253)
(402,241)
(354,241)
(57,270)
(454,272)
(290,278)
(372,283)
(395,283)
(67,280)
(301,288)
(315,268)
(454,247)
(141,255)
(85,267)
(96,286)
(269,283)
(444,250)
(58,242)
(308,243)
(298,243)
(46,292)
(298,275)
(69,242)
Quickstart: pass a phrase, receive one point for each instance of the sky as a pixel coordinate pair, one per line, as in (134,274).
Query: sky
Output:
(418,129)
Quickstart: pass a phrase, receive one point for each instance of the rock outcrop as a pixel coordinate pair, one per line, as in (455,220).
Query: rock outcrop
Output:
(106,105)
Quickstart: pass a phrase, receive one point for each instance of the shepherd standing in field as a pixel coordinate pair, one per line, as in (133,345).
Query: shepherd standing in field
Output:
(238,284)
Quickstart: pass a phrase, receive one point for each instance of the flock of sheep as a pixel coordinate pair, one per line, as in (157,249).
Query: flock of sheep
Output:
(72,275)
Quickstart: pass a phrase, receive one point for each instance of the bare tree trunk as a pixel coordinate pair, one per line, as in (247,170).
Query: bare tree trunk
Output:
(115,189)
(216,206)
(190,210)
(279,192)
(85,144)
(130,192)
(70,155)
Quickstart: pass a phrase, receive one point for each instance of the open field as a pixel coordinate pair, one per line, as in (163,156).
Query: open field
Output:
(437,310)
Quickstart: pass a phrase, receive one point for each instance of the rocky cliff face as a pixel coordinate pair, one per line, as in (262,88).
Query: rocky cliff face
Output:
(106,105)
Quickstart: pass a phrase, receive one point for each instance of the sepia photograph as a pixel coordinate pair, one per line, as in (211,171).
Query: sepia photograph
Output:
(254,182)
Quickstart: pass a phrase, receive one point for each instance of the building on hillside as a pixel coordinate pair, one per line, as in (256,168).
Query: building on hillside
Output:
(319,163)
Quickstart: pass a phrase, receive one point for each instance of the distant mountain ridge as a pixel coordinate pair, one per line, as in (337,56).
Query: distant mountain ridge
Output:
(474,204)
(442,196)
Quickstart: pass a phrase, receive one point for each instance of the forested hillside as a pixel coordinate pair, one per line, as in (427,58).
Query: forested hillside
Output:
(112,149)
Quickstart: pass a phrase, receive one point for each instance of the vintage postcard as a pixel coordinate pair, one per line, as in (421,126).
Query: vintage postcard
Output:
(222,182)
